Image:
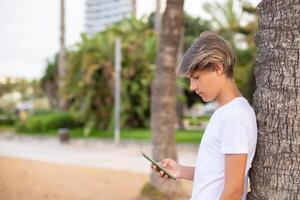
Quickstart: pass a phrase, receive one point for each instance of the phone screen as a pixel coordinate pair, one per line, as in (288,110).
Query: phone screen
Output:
(158,166)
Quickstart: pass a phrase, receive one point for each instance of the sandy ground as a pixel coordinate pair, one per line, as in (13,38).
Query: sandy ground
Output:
(39,168)
(22,179)
(87,152)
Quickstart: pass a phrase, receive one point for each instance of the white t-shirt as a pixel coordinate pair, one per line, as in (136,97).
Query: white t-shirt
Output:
(232,129)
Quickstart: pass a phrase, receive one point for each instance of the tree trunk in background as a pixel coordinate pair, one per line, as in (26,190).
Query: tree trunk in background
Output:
(157,22)
(275,173)
(133,8)
(179,89)
(163,94)
(50,89)
(61,60)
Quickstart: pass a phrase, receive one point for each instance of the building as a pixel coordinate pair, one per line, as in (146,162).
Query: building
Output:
(103,13)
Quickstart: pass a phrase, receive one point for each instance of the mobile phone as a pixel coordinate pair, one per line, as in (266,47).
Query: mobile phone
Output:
(158,166)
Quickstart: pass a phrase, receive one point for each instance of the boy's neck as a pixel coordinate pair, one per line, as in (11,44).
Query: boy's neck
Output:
(228,92)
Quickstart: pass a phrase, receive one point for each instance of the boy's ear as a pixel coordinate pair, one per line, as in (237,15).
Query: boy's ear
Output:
(219,68)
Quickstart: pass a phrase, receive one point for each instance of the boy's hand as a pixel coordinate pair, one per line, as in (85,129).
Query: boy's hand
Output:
(170,165)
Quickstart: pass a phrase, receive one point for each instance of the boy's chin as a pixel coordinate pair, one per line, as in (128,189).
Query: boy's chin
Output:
(207,99)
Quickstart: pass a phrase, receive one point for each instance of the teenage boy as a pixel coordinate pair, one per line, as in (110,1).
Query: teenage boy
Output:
(228,145)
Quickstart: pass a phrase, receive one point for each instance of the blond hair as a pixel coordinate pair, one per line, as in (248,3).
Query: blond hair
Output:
(208,50)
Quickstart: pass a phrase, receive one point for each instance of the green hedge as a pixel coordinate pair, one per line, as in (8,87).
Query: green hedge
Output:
(7,119)
(35,123)
(58,120)
(47,122)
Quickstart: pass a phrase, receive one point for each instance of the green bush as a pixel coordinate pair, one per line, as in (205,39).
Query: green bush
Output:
(20,126)
(42,112)
(47,122)
(6,120)
(35,123)
(58,120)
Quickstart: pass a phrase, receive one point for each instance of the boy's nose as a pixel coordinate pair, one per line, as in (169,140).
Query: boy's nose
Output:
(192,86)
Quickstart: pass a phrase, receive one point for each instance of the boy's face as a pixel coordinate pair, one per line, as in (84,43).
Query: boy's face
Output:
(206,84)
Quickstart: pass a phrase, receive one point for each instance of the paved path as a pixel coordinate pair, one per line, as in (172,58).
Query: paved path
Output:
(87,152)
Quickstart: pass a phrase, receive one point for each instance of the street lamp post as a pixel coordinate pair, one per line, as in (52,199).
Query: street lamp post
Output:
(117,90)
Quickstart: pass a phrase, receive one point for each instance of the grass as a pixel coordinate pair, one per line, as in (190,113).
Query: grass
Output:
(198,120)
(145,134)
(182,136)
(4,128)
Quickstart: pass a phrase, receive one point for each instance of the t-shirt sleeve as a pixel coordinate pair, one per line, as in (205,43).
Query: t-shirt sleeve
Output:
(234,134)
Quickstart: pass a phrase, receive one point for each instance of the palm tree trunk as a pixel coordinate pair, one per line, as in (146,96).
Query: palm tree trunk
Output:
(61,61)
(133,8)
(275,173)
(179,89)
(163,93)
(157,22)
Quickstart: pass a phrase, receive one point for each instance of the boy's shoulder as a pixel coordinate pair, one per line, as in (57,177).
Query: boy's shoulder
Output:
(238,110)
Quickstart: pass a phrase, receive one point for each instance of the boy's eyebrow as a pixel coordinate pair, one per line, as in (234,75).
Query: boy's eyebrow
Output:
(193,75)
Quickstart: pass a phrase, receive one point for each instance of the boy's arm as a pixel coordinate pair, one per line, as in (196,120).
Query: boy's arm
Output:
(235,166)
(186,172)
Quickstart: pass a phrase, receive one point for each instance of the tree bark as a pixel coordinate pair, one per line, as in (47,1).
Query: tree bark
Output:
(275,173)
(179,89)
(163,94)
(50,89)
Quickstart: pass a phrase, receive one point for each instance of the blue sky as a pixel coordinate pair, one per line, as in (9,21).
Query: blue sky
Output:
(29,33)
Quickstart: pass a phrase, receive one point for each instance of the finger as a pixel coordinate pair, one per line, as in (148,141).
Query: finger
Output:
(161,173)
(152,167)
(165,162)
(155,168)
(168,161)
(165,177)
